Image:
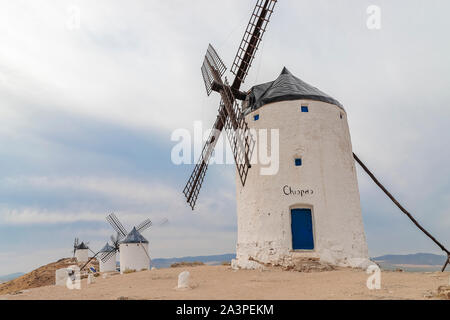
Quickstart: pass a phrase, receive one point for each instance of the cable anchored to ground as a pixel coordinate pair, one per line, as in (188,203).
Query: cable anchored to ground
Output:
(429,235)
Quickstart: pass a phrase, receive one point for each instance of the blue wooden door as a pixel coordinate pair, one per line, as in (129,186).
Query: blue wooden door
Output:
(302,229)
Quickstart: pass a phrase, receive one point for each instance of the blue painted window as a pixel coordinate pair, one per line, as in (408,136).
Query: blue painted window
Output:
(305,109)
(298,162)
(256,117)
(302,229)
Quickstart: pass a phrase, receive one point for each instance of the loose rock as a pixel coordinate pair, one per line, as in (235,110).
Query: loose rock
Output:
(444,292)
(183,280)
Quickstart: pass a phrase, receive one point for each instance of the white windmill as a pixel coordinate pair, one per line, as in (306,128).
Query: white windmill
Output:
(107,258)
(310,206)
(80,251)
(133,247)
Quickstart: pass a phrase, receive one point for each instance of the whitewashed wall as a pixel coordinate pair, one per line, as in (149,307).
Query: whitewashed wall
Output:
(133,256)
(109,265)
(321,138)
(82,255)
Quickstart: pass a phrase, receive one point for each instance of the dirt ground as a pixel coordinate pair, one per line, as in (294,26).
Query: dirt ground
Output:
(223,283)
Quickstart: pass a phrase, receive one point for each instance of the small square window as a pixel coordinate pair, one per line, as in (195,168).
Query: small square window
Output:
(298,162)
(305,109)
(256,117)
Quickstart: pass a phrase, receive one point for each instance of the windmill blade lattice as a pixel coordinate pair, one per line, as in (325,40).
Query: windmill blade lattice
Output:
(115,223)
(242,144)
(144,225)
(252,38)
(192,188)
(230,114)
(107,255)
(76,242)
(211,59)
(115,244)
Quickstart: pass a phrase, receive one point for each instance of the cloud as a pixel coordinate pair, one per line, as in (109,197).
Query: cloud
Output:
(29,258)
(132,200)
(134,68)
(146,199)
(35,216)
(118,188)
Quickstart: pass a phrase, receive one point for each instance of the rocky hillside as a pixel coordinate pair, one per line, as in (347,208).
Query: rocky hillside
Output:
(43,276)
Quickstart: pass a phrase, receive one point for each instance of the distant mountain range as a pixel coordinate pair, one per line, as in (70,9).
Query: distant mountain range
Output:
(11,276)
(424,259)
(419,262)
(210,260)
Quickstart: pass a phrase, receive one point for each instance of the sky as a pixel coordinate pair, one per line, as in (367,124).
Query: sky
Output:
(91,91)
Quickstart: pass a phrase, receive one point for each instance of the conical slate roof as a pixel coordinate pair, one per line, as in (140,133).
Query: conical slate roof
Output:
(285,88)
(134,237)
(82,246)
(107,248)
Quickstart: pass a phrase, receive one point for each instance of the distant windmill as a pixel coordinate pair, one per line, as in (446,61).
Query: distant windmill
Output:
(107,255)
(132,245)
(81,250)
(76,242)
(107,259)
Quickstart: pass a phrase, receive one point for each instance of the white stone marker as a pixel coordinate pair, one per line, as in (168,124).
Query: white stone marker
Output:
(61,276)
(90,279)
(68,277)
(183,280)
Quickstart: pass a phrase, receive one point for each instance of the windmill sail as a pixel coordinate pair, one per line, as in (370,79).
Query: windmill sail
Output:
(241,142)
(230,114)
(107,255)
(75,246)
(212,60)
(252,38)
(115,223)
(192,188)
(144,225)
